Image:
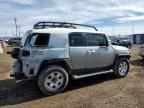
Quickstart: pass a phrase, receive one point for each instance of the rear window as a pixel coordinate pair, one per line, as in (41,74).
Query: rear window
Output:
(39,39)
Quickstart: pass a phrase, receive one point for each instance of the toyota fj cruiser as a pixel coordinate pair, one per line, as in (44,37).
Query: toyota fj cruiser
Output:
(55,52)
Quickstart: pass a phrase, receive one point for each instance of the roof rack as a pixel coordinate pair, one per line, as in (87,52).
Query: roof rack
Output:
(42,25)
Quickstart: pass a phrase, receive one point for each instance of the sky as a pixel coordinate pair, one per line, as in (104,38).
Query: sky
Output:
(114,17)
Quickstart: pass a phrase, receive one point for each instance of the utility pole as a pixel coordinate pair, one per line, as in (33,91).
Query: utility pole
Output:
(132,33)
(113,30)
(15,20)
(6,33)
(19,30)
(132,29)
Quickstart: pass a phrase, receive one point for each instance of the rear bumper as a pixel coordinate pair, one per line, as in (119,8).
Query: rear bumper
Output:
(17,70)
(18,76)
(142,55)
(141,52)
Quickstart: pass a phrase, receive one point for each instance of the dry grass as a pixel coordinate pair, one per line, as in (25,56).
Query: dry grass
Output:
(95,92)
(5,62)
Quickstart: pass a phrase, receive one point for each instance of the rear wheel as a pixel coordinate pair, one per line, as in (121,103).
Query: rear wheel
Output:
(121,67)
(53,80)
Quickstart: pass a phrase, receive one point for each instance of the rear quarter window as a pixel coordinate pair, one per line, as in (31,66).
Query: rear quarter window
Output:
(39,39)
(58,40)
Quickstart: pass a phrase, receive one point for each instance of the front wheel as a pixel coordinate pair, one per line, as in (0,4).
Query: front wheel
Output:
(121,68)
(53,80)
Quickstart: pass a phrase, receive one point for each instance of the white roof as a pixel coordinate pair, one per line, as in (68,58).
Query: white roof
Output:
(64,30)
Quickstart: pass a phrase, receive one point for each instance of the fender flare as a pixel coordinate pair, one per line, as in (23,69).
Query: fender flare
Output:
(121,55)
(60,62)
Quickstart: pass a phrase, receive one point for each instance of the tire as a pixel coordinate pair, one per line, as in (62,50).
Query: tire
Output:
(53,80)
(121,68)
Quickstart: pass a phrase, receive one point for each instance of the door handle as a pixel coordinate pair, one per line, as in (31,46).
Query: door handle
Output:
(91,51)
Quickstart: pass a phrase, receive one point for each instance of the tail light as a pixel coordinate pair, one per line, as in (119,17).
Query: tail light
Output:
(142,46)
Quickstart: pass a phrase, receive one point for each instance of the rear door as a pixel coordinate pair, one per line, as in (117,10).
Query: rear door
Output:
(77,51)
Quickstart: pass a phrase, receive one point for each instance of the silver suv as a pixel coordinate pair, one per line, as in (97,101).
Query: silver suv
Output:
(55,52)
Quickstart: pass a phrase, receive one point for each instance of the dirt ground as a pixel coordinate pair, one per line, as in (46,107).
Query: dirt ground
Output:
(102,91)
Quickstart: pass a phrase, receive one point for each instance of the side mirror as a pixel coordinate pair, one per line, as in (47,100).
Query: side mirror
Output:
(103,43)
(114,43)
(15,53)
(118,41)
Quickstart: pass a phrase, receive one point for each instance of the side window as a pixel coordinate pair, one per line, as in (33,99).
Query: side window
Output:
(95,39)
(39,39)
(76,39)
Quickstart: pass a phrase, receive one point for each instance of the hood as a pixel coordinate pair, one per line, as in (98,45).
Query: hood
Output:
(121,49)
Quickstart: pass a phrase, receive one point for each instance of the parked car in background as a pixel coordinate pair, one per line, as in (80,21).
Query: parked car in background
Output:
(1,49)
(3,43)
(6,41)
(121,41)
(14,41)
(125,42)
(141,51)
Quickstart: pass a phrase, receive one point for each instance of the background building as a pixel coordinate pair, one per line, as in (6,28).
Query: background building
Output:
(138,39)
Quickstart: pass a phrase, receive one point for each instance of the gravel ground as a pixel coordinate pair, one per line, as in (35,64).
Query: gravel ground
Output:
(102,91)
